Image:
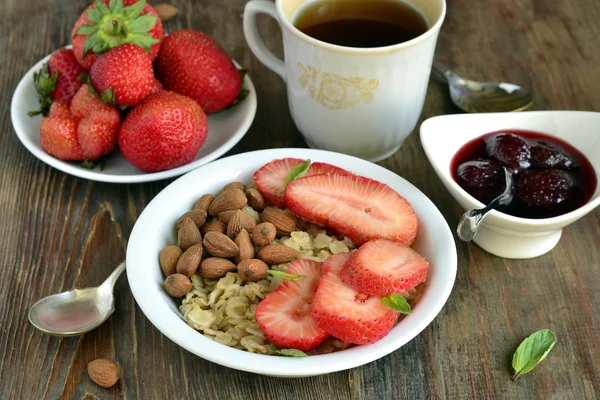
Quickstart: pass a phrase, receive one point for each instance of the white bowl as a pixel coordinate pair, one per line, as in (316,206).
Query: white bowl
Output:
(501,234)
(225,129)
(154,230)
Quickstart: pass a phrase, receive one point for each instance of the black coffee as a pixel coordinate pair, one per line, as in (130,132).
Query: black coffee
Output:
(361,23)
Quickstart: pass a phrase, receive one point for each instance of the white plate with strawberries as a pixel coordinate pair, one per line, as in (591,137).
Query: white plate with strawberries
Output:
(126,103)
(395,242)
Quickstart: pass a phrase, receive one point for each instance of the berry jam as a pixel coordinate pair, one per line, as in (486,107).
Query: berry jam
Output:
(551,176)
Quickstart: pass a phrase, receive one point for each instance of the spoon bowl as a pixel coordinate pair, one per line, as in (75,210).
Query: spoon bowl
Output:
(483,97)
(76,311)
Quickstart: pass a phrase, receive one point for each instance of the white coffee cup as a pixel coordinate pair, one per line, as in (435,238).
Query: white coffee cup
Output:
(358,101)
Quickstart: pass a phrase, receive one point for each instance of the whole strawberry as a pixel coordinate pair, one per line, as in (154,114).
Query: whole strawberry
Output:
(87,130)
(164,132)
(57,80)
(110,23)
(193,64)
(123,75)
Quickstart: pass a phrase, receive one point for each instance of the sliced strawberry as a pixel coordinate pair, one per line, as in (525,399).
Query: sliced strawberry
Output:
(271,178)
(361,208)
(382,267)
(284,315)
(346,313)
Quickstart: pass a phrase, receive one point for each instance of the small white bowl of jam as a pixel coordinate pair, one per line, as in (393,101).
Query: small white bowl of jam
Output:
(554,156)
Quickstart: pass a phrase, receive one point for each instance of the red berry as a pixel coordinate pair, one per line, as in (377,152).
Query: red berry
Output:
(58,109)
(382,267)
(59,138)
(483,179)
(271,178)
(126,73)
(195,65)
(548,155)
(97,133)
(510,150)
(361,208)
(346,313)
(284,315)
(547,190)
(64,63)
(123,34)
(164,132)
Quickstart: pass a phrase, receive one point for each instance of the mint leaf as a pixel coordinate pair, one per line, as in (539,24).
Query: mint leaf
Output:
(288,352)
(289,277)
(532,351)
(298,171)
(396,302)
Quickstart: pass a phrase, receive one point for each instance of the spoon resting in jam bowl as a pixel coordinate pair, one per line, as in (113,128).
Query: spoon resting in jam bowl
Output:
(471,220)
(76,311)
(483,97)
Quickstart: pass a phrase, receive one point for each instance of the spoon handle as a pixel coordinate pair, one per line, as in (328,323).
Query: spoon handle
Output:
(440,72)
(112,278)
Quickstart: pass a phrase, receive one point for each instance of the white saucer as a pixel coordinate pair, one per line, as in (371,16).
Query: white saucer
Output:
(225,129)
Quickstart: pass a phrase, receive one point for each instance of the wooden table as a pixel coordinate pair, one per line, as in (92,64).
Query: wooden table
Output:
(57,231)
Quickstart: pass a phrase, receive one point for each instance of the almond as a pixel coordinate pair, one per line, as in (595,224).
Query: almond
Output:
(234,185)
(215,268)
(277,254)
(177,285)
(255,199)
(213,226)
(263,234)
(240,220)
(284,224)
(198,216)
(253,270)
(225,216)
(168,259)
(104,372)
(227,200)
(190,260)
(244,243)
(204,202)
(219,245)
(188,234)
(166,11)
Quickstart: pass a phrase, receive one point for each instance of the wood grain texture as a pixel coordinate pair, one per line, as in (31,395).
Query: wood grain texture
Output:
(57,231)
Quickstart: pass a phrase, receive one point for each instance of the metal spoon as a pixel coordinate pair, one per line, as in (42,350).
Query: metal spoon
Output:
(473,96)
(471,220)
(76,311)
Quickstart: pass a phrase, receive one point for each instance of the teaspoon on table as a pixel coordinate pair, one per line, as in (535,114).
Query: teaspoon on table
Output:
(471,220)
(76,311)
(483,97)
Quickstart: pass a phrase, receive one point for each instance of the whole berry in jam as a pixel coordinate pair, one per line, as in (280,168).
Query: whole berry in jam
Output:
(510,150)
(483,178)
(547,155)
(548,189)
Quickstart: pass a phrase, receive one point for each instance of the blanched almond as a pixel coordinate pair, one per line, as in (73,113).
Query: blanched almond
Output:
(240,220)
(227,200)
(219,245)
(277,254)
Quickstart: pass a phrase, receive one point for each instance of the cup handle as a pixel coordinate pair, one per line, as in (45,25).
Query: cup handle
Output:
(256,44)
